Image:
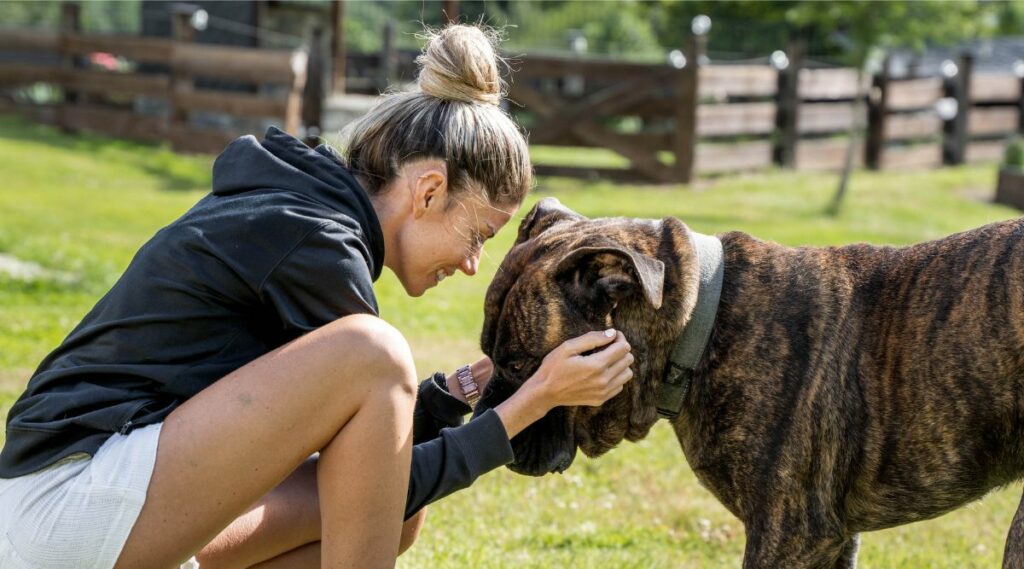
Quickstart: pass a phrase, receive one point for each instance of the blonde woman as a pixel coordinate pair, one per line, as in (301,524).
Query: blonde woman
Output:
(235,400)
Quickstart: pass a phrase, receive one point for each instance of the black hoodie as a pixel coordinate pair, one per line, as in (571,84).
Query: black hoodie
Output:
(286,242)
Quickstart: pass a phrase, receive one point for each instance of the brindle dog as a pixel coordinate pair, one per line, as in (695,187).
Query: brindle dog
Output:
(842,389)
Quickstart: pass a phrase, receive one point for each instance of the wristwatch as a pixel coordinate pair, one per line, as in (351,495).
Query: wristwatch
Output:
(468,385)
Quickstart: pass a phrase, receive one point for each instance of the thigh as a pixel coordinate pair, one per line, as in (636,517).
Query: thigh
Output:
(237,439)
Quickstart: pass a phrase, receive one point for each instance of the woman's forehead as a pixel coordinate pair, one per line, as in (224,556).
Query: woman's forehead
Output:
(483,212)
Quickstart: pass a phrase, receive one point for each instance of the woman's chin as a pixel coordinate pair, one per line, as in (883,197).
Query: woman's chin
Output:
(418,289)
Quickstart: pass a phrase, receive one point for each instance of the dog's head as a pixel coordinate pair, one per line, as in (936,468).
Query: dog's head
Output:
(567,275)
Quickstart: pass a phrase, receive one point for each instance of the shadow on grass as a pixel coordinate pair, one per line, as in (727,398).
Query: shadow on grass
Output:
(155,160)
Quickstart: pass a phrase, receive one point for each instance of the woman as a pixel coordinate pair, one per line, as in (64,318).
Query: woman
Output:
(181,415)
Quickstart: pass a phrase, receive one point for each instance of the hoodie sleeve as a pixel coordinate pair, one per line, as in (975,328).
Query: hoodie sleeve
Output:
(436,409)
(322,278)
(455,459)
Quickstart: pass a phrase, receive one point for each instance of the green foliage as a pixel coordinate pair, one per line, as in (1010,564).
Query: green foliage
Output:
(740,27)
(843,29)
(29,14)
(864,25)
(1013,156)
(618,28)
(97,16)
(1010,17)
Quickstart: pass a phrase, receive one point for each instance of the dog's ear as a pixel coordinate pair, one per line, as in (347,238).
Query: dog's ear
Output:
(606,275)
(544,214)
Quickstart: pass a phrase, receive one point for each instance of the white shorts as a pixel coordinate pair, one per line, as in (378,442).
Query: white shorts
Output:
(77,513)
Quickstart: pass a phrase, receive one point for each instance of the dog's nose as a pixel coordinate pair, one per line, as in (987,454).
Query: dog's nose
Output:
(564,463)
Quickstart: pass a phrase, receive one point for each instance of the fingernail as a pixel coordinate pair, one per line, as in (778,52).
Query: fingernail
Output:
(609,333)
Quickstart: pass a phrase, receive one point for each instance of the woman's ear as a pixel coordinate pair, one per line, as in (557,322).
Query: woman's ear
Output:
(429,187)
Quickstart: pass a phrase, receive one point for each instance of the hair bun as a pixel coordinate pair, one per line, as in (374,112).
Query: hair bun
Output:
(459,63)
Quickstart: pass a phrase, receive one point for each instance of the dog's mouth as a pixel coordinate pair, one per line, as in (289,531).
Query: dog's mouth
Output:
(544,447)
(547,446)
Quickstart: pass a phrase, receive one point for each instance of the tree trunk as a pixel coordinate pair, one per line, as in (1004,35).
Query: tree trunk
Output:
(855,128)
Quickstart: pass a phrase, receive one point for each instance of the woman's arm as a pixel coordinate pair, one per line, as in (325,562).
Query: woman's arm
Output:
(440,402)
(567,378)
(460,455)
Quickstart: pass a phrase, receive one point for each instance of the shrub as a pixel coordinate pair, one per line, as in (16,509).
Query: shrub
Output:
(1013,156)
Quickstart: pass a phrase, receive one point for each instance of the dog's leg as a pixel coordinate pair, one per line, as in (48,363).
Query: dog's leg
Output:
(848,558)
(1013,555)
(791,548)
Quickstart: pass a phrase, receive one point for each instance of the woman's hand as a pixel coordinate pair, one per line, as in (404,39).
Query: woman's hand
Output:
(568,378)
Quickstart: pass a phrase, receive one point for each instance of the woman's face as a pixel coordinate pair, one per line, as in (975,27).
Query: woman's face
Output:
(440,233)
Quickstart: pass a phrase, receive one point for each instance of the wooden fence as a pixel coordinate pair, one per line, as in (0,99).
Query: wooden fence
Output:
(723,118)
(668,122)
(265,84)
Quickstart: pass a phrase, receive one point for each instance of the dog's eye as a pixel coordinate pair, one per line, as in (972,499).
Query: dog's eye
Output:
(516,366)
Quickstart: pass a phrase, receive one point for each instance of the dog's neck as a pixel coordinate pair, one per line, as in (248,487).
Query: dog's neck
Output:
(692,341)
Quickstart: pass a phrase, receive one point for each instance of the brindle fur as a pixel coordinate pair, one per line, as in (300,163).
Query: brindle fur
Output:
(844,389)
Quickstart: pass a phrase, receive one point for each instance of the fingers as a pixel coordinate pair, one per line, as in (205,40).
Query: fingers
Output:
(610,388)
(611,353)
(620,364)
(589,341)
(622,377)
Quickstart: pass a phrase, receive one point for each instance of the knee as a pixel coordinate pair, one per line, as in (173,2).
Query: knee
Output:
(380,354)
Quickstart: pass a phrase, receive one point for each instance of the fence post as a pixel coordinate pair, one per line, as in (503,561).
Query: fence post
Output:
(450,11)
(70,24)
(338,46)
(877,116)
(1020,100)
(313,91)
(180,83)
(684,143)
(954,131)
(788,106)
(387,57)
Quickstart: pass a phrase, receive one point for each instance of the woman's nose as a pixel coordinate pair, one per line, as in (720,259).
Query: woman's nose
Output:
(470,264)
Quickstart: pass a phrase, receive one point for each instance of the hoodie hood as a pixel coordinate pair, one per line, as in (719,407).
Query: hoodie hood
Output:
(284,162)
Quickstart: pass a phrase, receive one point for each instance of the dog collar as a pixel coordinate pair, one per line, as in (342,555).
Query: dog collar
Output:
(693,340)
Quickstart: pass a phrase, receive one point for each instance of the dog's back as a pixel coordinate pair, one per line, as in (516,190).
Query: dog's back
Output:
(876,386)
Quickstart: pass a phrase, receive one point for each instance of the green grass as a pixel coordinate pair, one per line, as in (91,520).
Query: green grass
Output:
(82,205)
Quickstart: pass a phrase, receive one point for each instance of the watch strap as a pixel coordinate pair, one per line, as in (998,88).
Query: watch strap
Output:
(470,390)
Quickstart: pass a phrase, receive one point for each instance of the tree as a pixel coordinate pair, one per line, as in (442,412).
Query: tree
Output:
(865,29)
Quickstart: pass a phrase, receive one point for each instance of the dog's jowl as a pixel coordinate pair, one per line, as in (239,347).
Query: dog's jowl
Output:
(866,386)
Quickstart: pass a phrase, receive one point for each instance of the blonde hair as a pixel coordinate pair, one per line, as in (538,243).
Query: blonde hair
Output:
(452,115)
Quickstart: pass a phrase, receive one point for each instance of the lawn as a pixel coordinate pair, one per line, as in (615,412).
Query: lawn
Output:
(79,207)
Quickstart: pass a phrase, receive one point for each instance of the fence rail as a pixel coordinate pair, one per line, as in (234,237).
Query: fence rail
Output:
(265,84)
(669,122)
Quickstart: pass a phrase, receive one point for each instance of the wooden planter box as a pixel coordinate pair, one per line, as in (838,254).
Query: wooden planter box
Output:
(1010,188)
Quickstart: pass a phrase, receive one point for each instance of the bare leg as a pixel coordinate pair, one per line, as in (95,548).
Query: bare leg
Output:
(411,530)
(283,521)
(308,556)
(305,557)
(346,390)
